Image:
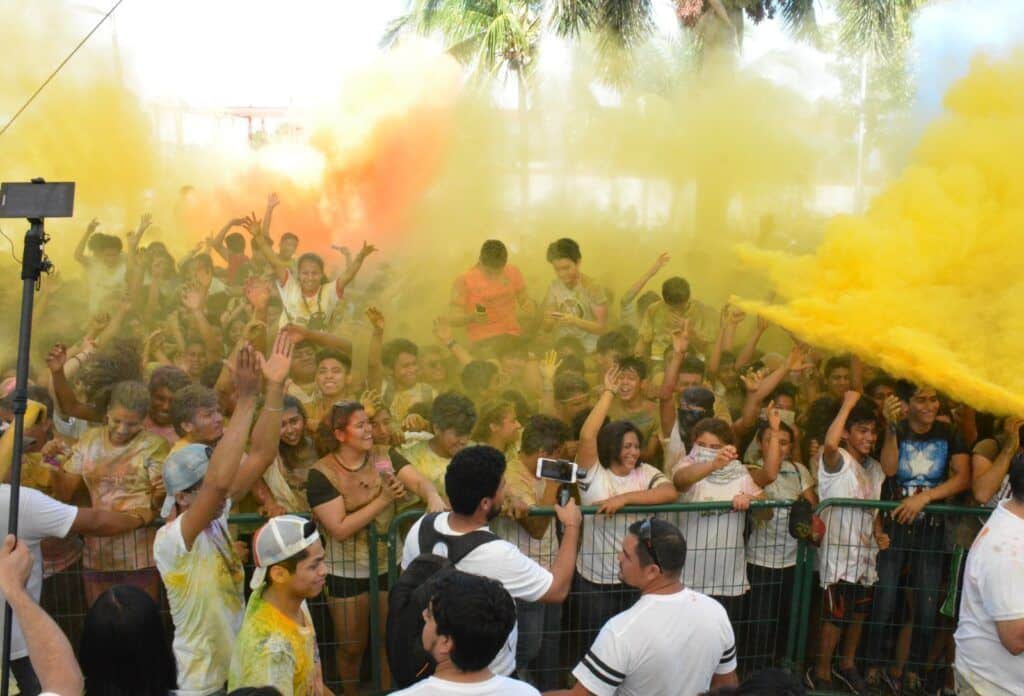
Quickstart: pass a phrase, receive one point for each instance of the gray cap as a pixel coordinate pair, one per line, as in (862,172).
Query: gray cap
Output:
(184,468)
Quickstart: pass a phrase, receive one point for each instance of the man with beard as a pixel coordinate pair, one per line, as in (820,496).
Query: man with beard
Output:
(475,481)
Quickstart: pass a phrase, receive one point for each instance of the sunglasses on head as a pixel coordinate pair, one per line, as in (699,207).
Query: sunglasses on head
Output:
(648,540)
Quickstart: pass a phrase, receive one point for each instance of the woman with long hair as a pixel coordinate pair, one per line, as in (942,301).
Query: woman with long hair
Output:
(121,466)
(354,486)
(611,476)
(124,649)
(283,486)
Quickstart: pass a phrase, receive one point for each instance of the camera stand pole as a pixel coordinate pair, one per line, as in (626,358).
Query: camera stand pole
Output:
(33,264)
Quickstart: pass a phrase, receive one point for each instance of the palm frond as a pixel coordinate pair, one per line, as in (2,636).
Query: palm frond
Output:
(572,18)
(799,19)
(880,27)
(396,27)
(625,22)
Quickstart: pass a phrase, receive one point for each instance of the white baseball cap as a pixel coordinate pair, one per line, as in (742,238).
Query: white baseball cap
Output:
(278,540)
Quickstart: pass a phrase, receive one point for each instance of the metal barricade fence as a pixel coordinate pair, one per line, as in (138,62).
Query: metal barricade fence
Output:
(769,584)
(893,611)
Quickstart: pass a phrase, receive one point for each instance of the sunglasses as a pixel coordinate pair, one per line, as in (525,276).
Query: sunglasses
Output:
(648,541)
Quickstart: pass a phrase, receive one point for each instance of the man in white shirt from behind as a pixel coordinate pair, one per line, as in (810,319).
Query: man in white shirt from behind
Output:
(466,624)
(672,642)
(990,633)
(475,482)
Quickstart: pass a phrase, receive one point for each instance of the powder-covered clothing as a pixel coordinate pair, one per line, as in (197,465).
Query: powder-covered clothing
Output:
(273,650)
(204,591)
(579,302)
(120,478)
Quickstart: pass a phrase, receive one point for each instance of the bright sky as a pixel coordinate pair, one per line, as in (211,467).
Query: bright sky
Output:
(269,53)
(222,53)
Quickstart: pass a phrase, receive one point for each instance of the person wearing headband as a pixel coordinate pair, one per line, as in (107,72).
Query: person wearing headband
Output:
(277,644)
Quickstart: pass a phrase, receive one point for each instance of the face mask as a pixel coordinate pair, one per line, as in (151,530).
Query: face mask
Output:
(702,455)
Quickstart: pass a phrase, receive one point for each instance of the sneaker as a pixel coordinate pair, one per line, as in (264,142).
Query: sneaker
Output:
(815,683)
(893,684)
(851,679)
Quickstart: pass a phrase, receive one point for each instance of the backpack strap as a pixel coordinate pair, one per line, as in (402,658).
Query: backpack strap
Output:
(459,545)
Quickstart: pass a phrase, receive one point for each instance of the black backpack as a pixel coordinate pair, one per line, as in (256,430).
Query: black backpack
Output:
(408,660)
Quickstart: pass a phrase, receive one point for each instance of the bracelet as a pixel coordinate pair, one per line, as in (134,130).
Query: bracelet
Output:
(279,409)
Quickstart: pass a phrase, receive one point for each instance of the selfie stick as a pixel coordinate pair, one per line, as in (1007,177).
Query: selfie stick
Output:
(33,264)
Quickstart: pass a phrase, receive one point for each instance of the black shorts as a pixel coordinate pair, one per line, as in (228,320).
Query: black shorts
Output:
(844,599)
(343,588)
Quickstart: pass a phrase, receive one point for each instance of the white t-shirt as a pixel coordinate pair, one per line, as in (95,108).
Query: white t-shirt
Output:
(992,592)
(39,517)
(664,645)
(495,686)
(499,560)
(598,559)
(204,591)
(715,554)
(770,544)
(848,550)
(298,309)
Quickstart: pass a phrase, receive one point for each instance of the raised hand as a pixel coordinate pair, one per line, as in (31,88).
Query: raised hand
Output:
(366,250)
(275,368)
(611,378)
(295,332)
(659,263)
(376,318)
(762,324)
(1012,426)
(725,456)
(851,398)
(247,371)
(798,360)
(549,366)
(892,409)
(752,379)
(273,201)
(774,417)
(56,358)
(93,225)
(258,292)
(443,331)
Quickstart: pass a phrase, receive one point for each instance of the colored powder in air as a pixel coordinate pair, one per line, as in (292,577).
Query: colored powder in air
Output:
(929,282)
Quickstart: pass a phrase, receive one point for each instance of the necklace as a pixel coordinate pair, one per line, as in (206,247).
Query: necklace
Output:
(366,460)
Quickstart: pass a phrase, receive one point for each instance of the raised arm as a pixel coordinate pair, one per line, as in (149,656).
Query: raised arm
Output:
(262,246)
(267,433)
(586,453)
(272,202)
(193,298)
(890,456)
(731,318)
(80,256)
(217,243)
(350,273)
(547,368)
(638,286)
(761,386)
(766,475)
(987,475)
(374,365)
(746,355)
(223,466)
(62,391)
(320,338)
(830,457)
(667,395)
(49,651)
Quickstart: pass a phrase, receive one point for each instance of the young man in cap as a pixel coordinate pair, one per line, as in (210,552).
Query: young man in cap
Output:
(194,551)
(277,644)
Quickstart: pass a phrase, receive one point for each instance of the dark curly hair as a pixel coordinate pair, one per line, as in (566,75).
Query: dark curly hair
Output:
(121,361)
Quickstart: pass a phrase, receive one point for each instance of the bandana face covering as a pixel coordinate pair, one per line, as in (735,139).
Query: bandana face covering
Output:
(730,472)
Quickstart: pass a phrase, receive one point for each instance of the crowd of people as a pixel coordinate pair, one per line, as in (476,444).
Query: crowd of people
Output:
(227,381)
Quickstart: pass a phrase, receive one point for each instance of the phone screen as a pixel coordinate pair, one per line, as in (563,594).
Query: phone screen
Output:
(561,470)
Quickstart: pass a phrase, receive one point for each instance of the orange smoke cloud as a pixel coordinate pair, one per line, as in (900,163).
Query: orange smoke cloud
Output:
(362,164)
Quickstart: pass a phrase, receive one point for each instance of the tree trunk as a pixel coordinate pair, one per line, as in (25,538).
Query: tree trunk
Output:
(524,145)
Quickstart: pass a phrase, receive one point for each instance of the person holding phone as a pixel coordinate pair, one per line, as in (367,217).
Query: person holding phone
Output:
(529,483)
(349,489)
(485,298)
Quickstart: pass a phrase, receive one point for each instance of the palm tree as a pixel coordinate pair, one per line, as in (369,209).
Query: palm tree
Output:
(496,39)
